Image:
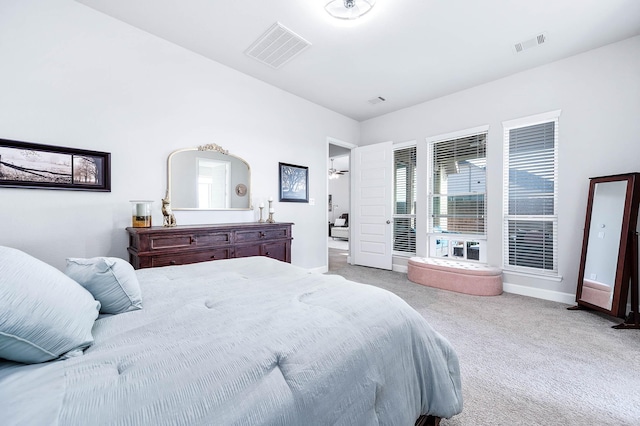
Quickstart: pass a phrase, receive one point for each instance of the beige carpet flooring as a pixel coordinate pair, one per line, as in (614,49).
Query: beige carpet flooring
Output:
(525,361)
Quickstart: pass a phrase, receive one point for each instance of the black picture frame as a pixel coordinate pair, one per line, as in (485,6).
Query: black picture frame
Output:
(32,165)
(294,183)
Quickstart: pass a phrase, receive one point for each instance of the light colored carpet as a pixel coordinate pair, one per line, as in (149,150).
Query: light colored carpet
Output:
(525,361)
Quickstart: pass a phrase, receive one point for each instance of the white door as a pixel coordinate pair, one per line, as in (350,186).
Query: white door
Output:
(372,185)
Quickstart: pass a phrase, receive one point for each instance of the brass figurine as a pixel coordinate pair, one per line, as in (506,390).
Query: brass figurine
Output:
(169,218)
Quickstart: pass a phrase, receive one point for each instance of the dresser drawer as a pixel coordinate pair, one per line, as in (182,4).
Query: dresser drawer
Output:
(278,250)
(180,245)
(261,235)
(191,257)
(162,242)
(249,250)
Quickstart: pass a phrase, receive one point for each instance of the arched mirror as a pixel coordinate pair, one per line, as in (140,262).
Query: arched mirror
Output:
(208,178)
(607,253)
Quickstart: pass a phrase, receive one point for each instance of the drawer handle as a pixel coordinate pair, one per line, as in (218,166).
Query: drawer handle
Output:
(172,262)
(262,235)
(192,240)
(213,256)
(267,253)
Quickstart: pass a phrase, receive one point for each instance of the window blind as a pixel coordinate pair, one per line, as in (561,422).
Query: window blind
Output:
(530,197)
(404,217)
(458,185)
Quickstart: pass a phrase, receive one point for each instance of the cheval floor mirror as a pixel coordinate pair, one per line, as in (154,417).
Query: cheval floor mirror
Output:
(609,259)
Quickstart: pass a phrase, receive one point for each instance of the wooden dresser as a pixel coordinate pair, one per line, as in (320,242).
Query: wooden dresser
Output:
(160,246)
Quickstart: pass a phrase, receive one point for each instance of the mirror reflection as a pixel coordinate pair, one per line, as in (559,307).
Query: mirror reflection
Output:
(603,245)
(609,260)
(208,178)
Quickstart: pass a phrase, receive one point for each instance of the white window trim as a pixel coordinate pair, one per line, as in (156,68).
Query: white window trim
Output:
(402,145)
(459,134)
(531,120)
(554,278)
(431,237)
(465,238)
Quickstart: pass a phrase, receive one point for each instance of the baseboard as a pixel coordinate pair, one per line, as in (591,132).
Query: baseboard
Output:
(400,268)
(319,269)
(323,269)
(554,296)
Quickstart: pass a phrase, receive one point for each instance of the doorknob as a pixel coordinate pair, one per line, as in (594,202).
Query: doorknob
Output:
(388,222)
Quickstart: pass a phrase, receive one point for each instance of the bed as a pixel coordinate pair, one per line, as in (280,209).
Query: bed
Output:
(242,341)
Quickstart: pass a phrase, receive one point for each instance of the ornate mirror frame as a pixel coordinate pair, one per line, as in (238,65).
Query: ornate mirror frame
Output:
(626,263)
(242,189)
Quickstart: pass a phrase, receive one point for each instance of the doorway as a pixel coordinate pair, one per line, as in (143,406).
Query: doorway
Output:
(338,201)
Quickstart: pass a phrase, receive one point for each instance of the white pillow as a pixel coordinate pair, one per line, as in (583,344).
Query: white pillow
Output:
(111,281)
(340,222)
(43,313)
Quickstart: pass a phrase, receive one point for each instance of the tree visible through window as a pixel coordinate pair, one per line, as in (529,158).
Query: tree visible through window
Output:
(530,195)
(404,217)
(457,191)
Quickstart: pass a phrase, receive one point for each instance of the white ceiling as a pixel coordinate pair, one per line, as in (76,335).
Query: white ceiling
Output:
(407,51)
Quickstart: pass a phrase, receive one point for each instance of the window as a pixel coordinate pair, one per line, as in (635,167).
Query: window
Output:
(404,206)
(531,194)
(213,181)
(457,195)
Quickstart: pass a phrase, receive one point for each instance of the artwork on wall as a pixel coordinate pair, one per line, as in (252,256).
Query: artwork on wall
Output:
(294,183)
(30,165)
(330,202)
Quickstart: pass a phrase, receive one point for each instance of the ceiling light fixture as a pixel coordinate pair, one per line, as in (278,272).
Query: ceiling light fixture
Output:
(334,173)
(349,9)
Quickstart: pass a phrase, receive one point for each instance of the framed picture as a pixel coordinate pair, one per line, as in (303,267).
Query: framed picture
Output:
(294,183)
(30,165)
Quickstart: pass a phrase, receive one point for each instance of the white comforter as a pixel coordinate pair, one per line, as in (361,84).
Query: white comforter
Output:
(248,341)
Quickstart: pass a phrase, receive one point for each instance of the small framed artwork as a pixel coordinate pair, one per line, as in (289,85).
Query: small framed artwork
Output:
(30,165)
(294,183)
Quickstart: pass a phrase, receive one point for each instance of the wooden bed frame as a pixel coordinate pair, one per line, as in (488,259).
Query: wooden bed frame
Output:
(428,421)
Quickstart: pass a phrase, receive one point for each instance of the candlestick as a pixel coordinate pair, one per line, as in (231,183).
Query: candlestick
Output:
(271,211)
(261,220)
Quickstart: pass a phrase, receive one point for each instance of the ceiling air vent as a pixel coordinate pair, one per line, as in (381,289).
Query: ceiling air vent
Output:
(529,43)
(277,46)
(376,100)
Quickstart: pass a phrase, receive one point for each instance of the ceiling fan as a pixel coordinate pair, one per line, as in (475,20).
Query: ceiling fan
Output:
(334,173)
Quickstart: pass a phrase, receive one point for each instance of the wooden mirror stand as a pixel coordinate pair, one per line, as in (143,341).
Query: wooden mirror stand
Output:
(609,259)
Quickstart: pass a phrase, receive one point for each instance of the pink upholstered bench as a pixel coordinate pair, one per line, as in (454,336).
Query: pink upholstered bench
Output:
(462,277)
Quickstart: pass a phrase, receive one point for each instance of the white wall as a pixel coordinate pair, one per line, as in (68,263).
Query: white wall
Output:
(599,95)
(71,76)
